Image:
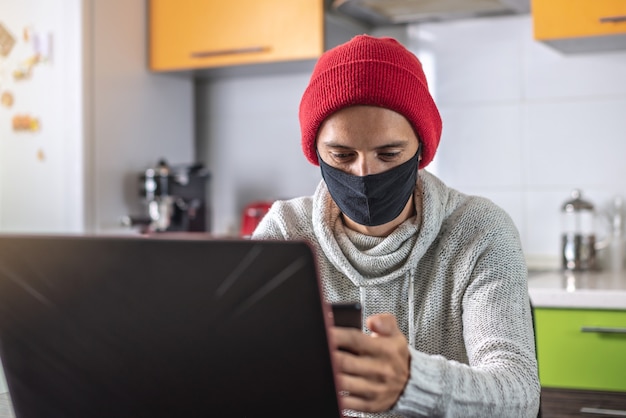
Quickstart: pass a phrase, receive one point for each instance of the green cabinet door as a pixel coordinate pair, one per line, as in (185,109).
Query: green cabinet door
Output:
(581,349)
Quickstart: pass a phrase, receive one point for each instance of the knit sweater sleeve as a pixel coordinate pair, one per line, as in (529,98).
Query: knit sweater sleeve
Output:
(284,221)
(500,378)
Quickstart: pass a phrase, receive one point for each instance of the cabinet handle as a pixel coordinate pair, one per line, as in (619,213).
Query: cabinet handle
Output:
(234,51)
(604,330)
(612,19)
(602,411)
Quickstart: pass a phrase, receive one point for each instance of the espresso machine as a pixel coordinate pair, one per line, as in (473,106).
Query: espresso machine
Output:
(174,198)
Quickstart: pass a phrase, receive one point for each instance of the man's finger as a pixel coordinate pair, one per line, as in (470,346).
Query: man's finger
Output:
(383,324)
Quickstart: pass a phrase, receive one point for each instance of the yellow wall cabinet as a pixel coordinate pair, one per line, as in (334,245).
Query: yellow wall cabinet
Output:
(573,26)
(198,34)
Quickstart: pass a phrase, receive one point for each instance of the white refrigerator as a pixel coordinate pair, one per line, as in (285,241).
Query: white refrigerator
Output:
(41,121)
(82,116)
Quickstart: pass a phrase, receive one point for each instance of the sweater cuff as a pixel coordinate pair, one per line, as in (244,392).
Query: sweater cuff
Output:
(425,386)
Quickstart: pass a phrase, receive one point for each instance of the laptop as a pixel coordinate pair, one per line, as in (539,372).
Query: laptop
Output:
(102,326)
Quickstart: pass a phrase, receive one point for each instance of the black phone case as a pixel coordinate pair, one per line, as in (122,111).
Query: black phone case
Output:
(347,314)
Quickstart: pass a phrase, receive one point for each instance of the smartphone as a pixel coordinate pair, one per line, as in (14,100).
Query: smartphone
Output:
(347,314)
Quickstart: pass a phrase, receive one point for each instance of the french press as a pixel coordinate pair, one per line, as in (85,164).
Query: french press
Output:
(578,239)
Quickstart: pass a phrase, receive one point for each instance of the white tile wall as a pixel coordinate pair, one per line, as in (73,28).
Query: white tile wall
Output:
(523,126)
(577,142)
(550,74)
(475,60)
(477,134)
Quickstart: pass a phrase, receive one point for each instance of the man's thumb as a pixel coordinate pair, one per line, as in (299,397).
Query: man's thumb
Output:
(382,324)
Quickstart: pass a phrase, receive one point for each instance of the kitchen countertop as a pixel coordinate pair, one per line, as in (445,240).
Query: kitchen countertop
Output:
(6,410)
(577,290)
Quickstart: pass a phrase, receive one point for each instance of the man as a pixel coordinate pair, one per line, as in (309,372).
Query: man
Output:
(440,275)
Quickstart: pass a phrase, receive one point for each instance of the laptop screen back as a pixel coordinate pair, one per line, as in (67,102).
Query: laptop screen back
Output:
(140,327)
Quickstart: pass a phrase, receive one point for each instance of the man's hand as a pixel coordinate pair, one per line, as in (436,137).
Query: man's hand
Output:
(372,369)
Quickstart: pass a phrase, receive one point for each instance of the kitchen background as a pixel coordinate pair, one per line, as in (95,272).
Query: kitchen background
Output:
(524,124)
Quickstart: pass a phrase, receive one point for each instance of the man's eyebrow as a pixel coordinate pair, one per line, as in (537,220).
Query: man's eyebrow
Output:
(394,144)
(334,144)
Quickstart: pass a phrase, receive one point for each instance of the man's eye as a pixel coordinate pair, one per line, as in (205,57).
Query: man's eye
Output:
(341,156)
(388,155)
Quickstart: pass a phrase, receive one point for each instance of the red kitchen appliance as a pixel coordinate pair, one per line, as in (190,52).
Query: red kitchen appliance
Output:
(252,215)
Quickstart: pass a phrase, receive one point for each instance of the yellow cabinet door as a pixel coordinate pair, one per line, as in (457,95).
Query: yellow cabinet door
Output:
(193,34)
(559,19)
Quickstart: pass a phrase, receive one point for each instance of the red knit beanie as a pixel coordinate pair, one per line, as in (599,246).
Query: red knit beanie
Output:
(370,71)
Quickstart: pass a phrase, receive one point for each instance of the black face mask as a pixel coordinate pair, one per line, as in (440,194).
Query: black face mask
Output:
(374,199)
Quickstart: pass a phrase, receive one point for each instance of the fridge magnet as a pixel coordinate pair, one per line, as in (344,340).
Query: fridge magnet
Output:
(42,53)
(25,123)
(24,71)
(26,33)
(42,46)
(7,99)
(41,156)
(6,41)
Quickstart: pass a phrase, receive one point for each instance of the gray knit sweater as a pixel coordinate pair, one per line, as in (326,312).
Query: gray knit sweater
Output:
(455,277)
